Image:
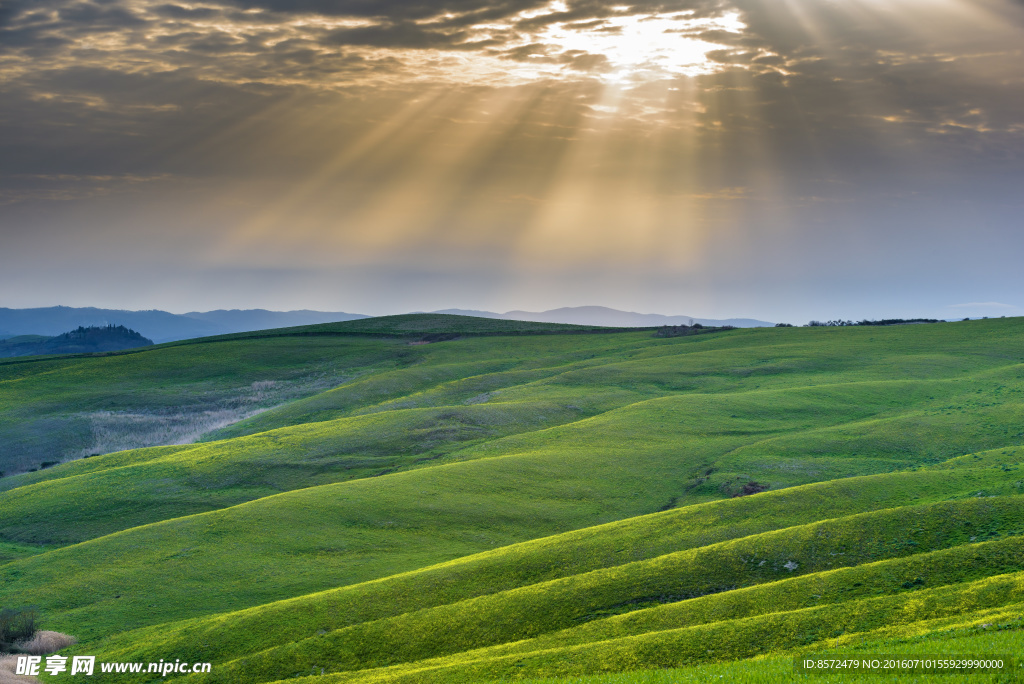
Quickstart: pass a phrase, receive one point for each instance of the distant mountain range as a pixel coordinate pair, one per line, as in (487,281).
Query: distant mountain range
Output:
(159,326)
(162,326)
(602,315)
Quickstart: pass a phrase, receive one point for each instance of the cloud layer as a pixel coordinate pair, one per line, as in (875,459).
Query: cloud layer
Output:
(659,138)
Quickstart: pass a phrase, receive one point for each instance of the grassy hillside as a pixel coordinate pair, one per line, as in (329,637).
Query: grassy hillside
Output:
(467,619)
(459,502)
(416,327)
(53,409)
(584,607)
(58,408)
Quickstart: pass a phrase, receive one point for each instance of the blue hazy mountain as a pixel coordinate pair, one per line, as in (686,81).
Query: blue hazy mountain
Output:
(602,315)
(159,326)
(163,326)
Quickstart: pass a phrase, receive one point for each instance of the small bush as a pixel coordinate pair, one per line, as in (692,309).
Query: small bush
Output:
(16,625)
(751,488)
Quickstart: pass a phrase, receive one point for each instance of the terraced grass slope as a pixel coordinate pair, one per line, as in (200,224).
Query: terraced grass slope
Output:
(909,569)
(1000,636)
(507,506)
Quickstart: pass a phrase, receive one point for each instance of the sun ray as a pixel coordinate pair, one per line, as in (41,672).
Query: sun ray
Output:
(265,225)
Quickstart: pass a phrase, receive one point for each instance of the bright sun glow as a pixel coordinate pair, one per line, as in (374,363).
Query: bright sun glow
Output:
(640,46)
(618,49)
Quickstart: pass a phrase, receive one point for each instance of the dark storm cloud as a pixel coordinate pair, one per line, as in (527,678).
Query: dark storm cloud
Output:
(595,24)
(90,16)
(824,127)
(22,25)
(108,122)
(584,61)
(28,10)
(394,35)
(186,13)
(525,53)
(31,41)
(389,9)
(176,72)
(39,29)
(588,13)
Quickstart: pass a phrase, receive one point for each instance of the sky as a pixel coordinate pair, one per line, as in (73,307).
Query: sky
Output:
(785,160)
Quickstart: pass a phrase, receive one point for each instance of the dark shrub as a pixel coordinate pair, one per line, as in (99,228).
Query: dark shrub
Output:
(751,488)
(16,625)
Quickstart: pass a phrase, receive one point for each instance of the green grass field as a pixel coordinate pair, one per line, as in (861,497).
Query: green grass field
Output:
(432,498)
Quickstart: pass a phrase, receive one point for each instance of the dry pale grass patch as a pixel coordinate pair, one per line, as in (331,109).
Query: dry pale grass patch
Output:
(44,643)
(7,668)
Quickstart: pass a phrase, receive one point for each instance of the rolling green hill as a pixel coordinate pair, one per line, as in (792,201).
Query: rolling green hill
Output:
(437,498)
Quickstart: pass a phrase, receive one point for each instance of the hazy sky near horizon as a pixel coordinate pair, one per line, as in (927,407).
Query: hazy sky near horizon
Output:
(778,159)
